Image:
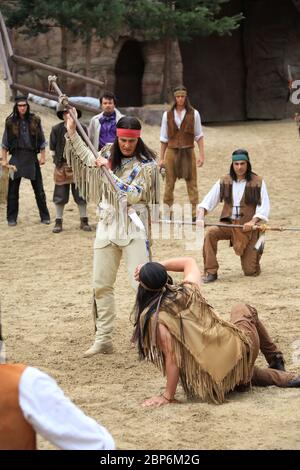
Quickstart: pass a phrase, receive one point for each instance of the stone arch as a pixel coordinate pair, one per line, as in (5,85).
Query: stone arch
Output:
(129,71)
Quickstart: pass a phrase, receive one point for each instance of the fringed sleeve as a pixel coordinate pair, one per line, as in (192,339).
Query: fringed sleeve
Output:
(89,179)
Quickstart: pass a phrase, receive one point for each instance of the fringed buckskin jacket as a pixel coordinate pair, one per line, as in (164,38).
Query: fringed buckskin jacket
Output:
(138,180)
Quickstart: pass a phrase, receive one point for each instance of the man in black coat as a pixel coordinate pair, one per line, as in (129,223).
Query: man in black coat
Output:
(23,139)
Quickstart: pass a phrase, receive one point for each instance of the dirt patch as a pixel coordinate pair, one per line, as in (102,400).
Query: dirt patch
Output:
(46,302)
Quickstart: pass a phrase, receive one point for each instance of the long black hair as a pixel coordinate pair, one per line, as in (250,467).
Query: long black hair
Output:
(248,175)
(187,103)
(15,112)
(152,291)
(129,122)
(152,276)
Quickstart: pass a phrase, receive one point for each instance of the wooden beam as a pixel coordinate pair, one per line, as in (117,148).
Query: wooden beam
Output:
(57,71)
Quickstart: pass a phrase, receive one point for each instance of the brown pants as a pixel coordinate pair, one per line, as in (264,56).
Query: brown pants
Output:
(191,185)
(245,318)
(249,259)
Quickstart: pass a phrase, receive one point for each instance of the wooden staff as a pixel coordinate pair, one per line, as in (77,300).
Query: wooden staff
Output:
(64,100)
(261,228)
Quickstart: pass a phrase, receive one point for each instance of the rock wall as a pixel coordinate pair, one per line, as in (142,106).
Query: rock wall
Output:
(272,38)
(117,62)
(242,76)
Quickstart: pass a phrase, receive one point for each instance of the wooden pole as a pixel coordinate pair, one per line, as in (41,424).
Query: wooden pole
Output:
(33,63)
(65,101)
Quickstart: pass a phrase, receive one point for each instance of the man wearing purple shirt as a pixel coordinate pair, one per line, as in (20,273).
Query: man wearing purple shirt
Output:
(102,128)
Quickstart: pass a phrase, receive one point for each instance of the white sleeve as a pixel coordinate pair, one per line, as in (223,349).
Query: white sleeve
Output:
(211,200)
(164,129)
(56,418)
(91,129)
(198,126)
(263,209)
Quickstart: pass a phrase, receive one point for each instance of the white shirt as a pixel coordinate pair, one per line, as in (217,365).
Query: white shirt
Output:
(56,418)
(212,199)
(178,120)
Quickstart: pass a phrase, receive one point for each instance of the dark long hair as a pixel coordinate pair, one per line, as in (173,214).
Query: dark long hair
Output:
(154,276)
(152,290)
(187,103)
(15,113)
(248,175)
(129,122)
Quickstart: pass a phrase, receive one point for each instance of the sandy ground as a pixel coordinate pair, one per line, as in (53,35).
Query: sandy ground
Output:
(46,302)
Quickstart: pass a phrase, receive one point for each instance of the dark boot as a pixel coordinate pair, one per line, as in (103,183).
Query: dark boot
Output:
(294,382)
(209,277)
(58,226)
(84,224)
(277,362)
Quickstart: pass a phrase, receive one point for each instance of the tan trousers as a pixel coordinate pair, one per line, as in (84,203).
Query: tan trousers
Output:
(245,318)
(191,185)
(106,265)
(249,259)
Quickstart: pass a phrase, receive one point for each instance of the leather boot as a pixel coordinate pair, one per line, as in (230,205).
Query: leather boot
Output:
(84,224)
(277,362)
(58,226)
(99,347)
(209,277)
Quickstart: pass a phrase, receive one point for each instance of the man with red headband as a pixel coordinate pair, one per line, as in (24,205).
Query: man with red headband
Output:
(180,127)
(133,167)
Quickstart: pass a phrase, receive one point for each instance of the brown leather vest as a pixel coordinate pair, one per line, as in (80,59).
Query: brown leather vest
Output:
(15,432)
(183,137)
(251,198)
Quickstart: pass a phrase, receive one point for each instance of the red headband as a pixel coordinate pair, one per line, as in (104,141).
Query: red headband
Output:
(133,133)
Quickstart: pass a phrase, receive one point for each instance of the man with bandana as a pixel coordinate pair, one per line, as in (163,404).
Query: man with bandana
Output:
(102,128)
(24,139)
(180,127)
(246,202)
(132,166)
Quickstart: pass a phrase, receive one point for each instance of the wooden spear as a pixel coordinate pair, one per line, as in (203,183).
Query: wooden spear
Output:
(63,99)
(261,228)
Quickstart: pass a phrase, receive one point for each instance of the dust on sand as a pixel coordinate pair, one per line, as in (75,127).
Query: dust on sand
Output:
(46,306)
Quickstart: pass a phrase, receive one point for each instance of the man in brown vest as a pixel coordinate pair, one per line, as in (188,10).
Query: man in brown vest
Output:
(246,202)
(31,402)
(180,127)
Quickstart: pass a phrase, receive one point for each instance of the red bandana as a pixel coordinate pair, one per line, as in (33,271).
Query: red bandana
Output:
(131,133)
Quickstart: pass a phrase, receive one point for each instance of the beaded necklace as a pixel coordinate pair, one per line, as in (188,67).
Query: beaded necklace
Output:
(127,160)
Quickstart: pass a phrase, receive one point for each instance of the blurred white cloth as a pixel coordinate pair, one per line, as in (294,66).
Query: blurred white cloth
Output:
(56,417)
